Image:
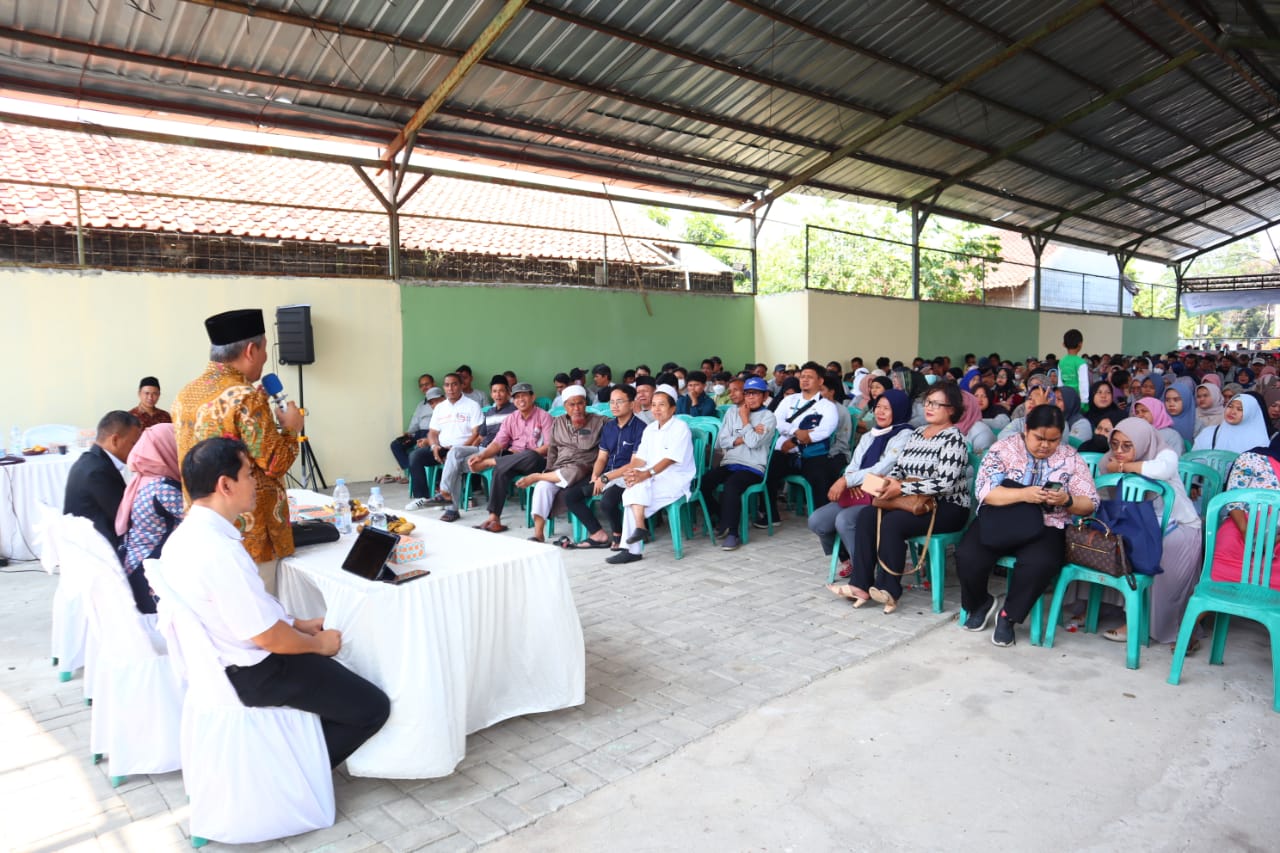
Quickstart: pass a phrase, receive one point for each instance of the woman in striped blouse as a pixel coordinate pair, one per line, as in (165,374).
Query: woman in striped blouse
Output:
(934,462)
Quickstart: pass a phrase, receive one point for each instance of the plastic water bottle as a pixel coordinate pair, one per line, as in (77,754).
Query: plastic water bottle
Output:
(377,509)
(342,503)
(15,441)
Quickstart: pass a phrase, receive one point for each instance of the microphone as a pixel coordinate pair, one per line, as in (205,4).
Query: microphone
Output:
(275,389)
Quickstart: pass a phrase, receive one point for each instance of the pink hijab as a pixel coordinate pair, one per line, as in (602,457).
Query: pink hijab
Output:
(154,457)
(972,413)
(1159,414)
(1213,379)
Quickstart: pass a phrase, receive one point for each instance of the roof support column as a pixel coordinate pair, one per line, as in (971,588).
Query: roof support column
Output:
(1122,260)
(919,215)
(392,200)
(1038,243)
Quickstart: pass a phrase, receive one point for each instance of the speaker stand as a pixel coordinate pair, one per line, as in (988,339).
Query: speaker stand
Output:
(312,477)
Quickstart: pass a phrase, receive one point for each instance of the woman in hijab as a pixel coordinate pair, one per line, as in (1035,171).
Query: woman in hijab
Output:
(875,388)
(1180,403)
(1005,394)
(1065,398)
(1103,415)
(1213,379)
(992,415)
(976,434)
(1209,405)
(1257,468)
(150,509)
(861,378)
(1137,448)
(789,386)
(1245,378)
(1243,427)
(1153,412)
(1271,401)
(876,453)
(1231,390)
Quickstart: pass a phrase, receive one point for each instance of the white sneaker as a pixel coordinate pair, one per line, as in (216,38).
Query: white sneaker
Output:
(417,504)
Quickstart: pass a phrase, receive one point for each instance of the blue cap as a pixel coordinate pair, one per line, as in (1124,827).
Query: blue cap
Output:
(755,383)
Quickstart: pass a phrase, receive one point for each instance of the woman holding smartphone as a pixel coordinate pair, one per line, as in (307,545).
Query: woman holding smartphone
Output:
(1028,488)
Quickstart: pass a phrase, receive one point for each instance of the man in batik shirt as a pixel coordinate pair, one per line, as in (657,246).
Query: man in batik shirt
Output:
(224,402)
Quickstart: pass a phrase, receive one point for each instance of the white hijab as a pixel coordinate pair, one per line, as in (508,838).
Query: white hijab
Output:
(1251,432)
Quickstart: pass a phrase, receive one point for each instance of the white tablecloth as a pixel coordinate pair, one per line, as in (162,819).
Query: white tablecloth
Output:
(492,633)
(41,479)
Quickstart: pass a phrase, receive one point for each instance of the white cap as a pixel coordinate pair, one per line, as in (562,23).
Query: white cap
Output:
(668,390)
(571,391)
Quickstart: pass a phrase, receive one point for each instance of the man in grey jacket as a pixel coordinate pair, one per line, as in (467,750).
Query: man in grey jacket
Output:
(745,434)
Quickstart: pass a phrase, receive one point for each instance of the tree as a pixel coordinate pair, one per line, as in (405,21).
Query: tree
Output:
(1243,257)
(866,249)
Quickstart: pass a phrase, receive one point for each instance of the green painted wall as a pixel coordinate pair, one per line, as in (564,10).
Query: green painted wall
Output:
(1151,335)
(540,331)
(954,330)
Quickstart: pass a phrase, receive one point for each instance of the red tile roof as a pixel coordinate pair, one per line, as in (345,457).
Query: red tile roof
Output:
(138,168)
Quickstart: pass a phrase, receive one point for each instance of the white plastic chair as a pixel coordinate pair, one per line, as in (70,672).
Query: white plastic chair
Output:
(253,774)
(49,434)
(69,621)
(137,700)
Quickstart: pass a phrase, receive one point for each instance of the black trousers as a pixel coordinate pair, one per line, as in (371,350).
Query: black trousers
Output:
(896,527)
(403,445)
(351,709)
(735,483)
(576,497)
(507,469)
(816,471)
(1035,566)
(420,459)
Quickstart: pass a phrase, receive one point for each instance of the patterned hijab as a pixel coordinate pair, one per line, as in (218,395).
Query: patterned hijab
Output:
(154,457)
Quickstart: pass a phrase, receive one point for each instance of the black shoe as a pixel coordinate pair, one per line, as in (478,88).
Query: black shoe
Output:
(760,523)
(979,620)
(623,557)
(1003,635)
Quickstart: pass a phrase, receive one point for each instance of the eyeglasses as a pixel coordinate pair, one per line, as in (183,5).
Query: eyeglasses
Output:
(936,404)
(1125,446)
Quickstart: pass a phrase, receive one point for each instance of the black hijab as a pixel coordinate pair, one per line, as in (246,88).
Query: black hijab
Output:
(1097,414)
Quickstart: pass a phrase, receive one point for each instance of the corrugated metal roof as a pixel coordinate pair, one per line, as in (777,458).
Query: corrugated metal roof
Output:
(729,98)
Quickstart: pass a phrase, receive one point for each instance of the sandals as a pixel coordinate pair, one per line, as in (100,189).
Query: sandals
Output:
(881,597)
(1116,635)
(849,591)
(587,544)
(389,478)
(492,527)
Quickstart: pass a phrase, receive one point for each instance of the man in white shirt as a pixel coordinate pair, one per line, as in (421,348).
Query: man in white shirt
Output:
(806,422)
(271,658)
(455,421)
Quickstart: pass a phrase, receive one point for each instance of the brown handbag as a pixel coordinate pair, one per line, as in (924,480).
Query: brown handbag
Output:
(914,504)
(1098,549)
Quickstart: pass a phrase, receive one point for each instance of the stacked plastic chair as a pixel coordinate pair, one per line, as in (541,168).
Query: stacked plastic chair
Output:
(137,700)
(253,774)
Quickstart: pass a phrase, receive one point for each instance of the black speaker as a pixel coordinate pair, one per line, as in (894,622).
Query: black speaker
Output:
(293,334)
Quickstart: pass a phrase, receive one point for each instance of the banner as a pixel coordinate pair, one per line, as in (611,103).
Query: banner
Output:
(1228,300)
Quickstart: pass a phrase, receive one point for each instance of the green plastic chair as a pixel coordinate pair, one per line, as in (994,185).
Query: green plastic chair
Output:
(526,497)
(543,403)
(757,491)
(1074,442)
(1137,602)
(1218,460)
(938,544)
(681,507)
(600,409)
(556,412)
(791,482)
(467,477)
(724,407)
(1251,597)
(1092,458)
(1197,475)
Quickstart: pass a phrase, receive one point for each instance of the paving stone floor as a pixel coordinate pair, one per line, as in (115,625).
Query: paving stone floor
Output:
(674,649)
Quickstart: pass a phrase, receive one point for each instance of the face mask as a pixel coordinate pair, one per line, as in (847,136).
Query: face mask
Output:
(681,384)
(717,390)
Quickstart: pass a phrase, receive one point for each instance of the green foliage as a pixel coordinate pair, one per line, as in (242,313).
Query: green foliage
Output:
(866,249)
(1243,257)
(660,215)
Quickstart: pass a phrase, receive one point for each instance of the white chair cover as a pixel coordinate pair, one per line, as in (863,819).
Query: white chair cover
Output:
(70,622)
(48,434)
(137,701)
(253,774)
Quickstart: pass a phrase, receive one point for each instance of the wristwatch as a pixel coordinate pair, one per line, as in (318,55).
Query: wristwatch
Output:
(604,479)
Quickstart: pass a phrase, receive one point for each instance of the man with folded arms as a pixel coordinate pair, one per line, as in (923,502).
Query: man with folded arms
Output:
(575,444)
(744,437)
(455,422)
(806,422)
(524,435)
(223,401)
(271,659)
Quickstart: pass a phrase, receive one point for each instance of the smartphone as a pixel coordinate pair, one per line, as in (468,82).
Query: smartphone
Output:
(1053,487)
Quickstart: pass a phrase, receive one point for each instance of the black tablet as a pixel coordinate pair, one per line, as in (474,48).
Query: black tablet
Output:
(368,556)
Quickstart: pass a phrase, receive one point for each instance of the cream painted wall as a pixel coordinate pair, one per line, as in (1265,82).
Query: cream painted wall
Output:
(842,325)
(1101,333)
(782,328)
(82,340)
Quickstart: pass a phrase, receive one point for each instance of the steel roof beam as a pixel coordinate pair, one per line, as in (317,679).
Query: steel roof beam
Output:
(1235,238)
(490,34)
(902,117)
(1143,114)
(1070,118)
(1238,136)
(625,97)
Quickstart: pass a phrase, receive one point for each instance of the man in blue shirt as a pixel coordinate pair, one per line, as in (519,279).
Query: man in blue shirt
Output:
(620,438)
(696,402)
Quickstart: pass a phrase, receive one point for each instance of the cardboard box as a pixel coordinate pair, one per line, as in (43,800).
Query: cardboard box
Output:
(408,549)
